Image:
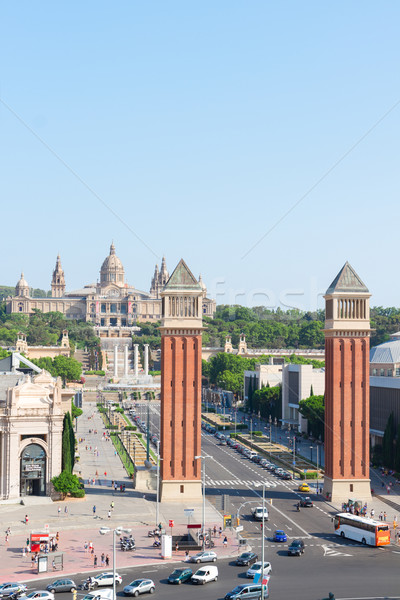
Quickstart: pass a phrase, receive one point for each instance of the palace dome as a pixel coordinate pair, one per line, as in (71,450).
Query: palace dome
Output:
(112,270)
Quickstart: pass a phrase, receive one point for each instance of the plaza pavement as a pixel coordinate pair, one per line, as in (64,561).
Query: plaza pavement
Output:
(132,509)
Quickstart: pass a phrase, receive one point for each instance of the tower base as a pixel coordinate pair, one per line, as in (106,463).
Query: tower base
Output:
(342,490)
(181,491)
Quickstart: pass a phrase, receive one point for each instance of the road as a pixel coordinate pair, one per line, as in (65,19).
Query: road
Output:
(348,579)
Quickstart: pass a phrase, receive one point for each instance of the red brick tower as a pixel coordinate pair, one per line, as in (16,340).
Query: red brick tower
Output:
(181,386)
(347,331)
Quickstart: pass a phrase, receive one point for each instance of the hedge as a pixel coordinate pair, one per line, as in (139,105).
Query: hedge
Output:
(309,475)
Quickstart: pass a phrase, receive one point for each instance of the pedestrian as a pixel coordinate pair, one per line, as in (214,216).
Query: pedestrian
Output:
(112,505)
(54,564)
(123,488)
(105,473)
(57,536)
(109,514)
(107,560)
(159,527)
(102,559)
(8,531)
(372,513)
(120,488)
(85,546)
(384,515)
(115,486)
(23,552)
(187,557)
(33,561)
(215,530)
(176,547)
(94,510)
(381,516)
(225,542)
(6,538)
(220,531)
(95,561)
(59,510)
(66,509)
(26,520)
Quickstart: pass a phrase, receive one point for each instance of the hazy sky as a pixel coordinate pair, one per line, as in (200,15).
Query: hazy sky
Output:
(191,129)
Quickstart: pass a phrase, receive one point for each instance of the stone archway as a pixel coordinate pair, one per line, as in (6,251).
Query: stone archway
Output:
(33,459)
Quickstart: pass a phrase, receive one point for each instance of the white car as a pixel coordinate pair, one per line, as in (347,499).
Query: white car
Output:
(39,595)
(106,579)
(255,569)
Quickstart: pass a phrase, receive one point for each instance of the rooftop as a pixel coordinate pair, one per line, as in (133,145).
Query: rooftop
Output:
(347,281)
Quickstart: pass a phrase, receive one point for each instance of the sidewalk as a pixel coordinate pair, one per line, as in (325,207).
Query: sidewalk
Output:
(133,509)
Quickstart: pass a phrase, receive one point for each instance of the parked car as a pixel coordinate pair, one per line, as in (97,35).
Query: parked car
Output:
(296,548)
(306,502)
(247,558)
(206,556)
(139,586)
(280,536)
(205,575)
(251,591)
(304,487)
(180,576)
(255,569)
(104,579)
(6,589)
(286,476)
(62,585)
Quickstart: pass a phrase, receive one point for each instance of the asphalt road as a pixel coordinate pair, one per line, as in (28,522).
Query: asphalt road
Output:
(301,578)
(328,564)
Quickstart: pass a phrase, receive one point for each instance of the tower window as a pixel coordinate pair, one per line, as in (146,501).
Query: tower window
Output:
(182,489)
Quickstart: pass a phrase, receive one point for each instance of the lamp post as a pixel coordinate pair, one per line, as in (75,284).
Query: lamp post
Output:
(317,468)
(311,448)
(117,531)
(158,484)
(200,457)
(148,428)
(263,541)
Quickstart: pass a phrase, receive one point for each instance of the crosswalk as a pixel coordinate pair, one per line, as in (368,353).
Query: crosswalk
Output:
(234,483)
(253,483)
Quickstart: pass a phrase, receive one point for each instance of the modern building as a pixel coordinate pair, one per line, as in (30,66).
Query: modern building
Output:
(109,303)
(32,409)
(181,329)
(298,383)
(347,399)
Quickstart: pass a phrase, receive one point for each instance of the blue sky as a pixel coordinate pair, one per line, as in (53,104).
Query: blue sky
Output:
(190,129)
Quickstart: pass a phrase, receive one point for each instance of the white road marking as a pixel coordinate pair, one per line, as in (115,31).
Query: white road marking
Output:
(331,552)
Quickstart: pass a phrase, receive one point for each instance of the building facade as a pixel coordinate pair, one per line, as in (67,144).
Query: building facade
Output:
(298,382)
(347,400)
(111,302)
(181,330)
(31,422)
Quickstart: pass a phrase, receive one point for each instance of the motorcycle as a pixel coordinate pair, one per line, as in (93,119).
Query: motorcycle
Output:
(156,544)
(87,585)
(153,533)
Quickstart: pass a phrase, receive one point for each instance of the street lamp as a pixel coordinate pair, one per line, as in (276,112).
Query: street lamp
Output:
(200,457)
(311,448)
(263,543)
(158,484)
(118,531)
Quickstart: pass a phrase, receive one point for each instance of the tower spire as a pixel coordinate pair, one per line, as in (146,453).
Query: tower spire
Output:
(58,280)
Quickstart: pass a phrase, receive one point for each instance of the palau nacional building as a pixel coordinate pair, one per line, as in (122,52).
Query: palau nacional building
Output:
(109,303)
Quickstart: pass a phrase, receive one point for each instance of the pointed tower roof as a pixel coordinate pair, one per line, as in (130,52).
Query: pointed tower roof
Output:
(182,279)
(347,281)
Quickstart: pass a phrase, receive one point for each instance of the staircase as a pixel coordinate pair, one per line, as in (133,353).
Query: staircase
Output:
(83,357)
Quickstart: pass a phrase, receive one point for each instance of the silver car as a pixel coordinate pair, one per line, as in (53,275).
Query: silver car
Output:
(207,556)
(140,586)
(6,589)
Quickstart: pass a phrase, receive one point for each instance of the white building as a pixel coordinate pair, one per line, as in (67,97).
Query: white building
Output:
(31,422)
(298,381)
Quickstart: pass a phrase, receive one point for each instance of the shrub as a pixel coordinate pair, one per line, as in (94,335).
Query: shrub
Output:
(78,493)
(308,475)
(257,433)
(130,427)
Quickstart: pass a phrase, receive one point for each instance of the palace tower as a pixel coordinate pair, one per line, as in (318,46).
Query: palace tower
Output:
(347,331)
(181,386)
(58,280)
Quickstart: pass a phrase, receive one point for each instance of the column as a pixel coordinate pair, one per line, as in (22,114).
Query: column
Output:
(146,359)
(115,361)
(126,361)
(136,359)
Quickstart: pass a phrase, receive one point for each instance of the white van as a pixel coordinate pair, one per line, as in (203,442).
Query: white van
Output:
(205,574)
(100,595)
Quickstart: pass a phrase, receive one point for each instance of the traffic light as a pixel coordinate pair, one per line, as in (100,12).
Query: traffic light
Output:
(237,521)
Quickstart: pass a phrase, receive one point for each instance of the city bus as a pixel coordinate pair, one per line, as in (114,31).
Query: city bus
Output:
(362,529)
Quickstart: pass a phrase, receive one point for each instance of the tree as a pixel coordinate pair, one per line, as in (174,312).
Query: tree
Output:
(268,401)
(68,444)
(313,409)
(66,483)
(69,369)
(75,411)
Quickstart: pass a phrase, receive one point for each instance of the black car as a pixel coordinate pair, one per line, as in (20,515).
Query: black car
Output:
(306,502)
(296,548)
(247,558)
